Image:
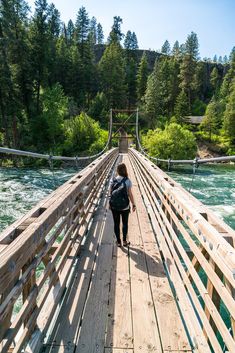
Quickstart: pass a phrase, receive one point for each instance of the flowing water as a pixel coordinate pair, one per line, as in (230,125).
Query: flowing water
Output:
(214,185)
(22,188)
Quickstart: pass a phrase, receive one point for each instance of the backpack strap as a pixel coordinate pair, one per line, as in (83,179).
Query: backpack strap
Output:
(115,182)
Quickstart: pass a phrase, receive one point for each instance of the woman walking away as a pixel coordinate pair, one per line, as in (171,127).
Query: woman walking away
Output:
(120,197)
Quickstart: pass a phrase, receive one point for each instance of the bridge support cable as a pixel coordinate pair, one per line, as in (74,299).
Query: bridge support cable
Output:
(195,162)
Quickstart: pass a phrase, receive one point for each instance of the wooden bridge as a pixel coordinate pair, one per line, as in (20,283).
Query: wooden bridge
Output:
(66,287)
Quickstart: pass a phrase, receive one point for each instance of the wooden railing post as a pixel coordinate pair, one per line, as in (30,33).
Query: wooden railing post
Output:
(28,286)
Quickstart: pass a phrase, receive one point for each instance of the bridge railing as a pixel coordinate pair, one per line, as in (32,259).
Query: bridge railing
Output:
(37,252)
(199,256)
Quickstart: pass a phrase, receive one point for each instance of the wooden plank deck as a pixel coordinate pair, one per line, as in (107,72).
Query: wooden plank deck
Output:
(120,300)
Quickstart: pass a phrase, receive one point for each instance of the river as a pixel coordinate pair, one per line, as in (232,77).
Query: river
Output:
(214,185)
(22,188)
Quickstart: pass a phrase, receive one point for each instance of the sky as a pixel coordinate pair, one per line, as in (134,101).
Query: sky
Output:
(154,21)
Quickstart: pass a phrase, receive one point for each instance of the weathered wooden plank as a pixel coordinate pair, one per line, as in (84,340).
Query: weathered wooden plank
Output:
(154,214)
(67,324)
(146,335)
(54,348)
(92,333)
(172,331)
(119,327)
(170,351)
(118,350)
(145,328)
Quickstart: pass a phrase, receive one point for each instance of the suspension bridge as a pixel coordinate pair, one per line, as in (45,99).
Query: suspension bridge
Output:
(171,291)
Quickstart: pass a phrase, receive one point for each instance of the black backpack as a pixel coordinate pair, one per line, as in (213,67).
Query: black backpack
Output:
(119,199)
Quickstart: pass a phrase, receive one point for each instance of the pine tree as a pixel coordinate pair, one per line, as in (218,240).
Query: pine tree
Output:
(187,72)
(227,82)
(212,120)
(89,72)
(151,99)
(225,60)
(229,115)
(85,43)
(215,59)
(128,40)
(116,34)
(93,30)
(6,90)
(76,85)
(82,28)
(131,73)
(188,67)
(100,34)
(54,22)
(142,77)
(130,68)
(232,54)
(201,83)
(182,49)
(166,48)
(54,111)
(54,30)
(160,92)
(15,60)
(63,65)
(215,80)
(181,107)
(131,42)
(191,46)
(112,73)
(176,49)
(220,60)
(134,42)
(39,45)
(70,32)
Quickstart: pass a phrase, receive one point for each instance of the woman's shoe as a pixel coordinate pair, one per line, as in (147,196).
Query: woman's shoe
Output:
(126,243)
(119,244)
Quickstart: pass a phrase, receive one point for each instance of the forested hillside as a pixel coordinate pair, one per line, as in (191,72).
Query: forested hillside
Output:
(58,82)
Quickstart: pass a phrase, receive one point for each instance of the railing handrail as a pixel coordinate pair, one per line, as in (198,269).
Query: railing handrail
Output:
(178,218)
(50,234)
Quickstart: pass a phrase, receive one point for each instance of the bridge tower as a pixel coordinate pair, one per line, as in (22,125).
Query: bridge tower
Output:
(123,129)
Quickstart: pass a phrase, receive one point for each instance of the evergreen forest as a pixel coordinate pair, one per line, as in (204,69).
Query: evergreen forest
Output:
(59,80)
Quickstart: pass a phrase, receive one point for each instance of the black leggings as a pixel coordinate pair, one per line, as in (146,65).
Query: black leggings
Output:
(116,218)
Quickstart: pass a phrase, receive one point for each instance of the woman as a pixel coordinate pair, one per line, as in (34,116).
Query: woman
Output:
(120,194)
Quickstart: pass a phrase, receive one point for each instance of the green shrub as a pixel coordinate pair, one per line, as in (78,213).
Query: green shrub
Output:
(83,136)
(175,142)
(1,139)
